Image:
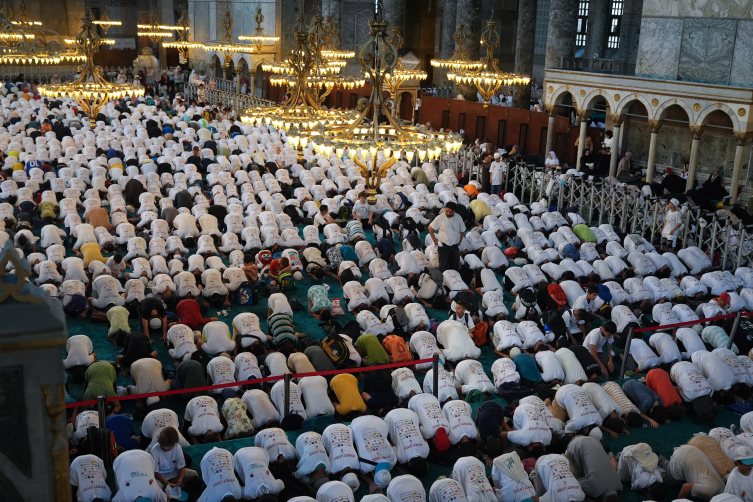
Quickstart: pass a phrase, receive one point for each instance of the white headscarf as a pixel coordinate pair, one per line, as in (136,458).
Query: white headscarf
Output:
(552,161)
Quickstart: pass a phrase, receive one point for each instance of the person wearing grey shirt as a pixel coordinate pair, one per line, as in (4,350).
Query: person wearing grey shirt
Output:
(593,469)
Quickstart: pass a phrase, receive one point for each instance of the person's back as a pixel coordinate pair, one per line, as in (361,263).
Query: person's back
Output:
(371,350)
(689,464)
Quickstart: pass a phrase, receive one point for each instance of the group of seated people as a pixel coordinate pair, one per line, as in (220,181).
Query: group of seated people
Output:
(150,221)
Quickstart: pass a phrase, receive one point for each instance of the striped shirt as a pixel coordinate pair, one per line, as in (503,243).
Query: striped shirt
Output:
(615,392)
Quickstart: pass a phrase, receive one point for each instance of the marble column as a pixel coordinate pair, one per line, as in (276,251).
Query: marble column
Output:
(166,16)
(469,15)
(524,51)
(693,162)
(552,109)
(449,26)
(598,14)
(583,116)
(334,9)
(617,129)
(630,31)
(394,12)
(742,138)
(655,126)
(286,19)
(563,22)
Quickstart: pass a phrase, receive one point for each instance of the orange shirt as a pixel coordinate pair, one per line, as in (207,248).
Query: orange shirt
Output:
(397,349)
(471,189)
(658,381)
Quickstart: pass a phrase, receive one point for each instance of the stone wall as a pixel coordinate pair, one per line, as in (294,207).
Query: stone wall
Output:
(708,42)
(717,147)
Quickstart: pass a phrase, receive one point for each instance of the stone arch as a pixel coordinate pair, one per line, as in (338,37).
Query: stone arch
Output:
(704,114)
(629,99)
(660,112)
(559,95)
(594,95)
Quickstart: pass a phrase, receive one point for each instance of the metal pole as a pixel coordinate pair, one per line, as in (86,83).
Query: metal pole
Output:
(435,376)
(287,394)
(102,411)
(626,353)
(735,325)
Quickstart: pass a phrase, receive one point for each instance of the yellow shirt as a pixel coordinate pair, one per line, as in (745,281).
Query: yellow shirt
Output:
(480,209)
(92,252)
(345,387)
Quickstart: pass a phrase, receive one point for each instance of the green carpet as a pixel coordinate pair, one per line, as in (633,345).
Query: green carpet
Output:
(662,441)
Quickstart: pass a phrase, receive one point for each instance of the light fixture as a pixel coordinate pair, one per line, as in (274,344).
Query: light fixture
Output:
(259,37)
(154,30)
(104,21)
(309,77)
(366,139)
(91,91)
(489,78)
(227,46)
(184,44)
(459,59)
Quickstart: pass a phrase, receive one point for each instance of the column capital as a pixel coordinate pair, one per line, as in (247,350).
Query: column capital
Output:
(697,130)
(742,137)
(552,109)
(655,125)
(583,114)
(616,119)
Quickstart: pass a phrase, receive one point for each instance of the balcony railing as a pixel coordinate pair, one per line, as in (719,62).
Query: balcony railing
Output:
(599,65)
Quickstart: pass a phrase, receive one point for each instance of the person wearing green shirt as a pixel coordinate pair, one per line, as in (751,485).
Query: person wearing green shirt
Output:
(100,381)
(371,350)
(584,233)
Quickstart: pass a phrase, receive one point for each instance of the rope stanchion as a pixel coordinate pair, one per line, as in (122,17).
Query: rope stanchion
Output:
(689,323)
(194,390)
(735,325)
(435,376)
(626,352)
(287,394)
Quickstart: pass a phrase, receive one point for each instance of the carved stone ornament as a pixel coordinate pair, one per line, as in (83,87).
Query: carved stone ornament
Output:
(696,130)
(654,124)
(16,285)
(616,97)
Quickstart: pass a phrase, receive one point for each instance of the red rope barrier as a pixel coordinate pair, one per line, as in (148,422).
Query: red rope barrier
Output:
(250,382)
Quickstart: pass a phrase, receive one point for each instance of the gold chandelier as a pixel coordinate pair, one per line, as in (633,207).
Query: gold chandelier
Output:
(306,73)
(400,74)
(104,21)
(365,140)
(459,60)
(227,46)
(91,91)
(7,11)
(184,44)
(489,78)
(26,42)
(259,37)
(154,30)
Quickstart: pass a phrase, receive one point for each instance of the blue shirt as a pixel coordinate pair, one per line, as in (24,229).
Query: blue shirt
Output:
(122,427)
(348,253)
(526,365)
(643,397)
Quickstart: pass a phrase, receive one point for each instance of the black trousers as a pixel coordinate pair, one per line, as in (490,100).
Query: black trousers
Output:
(449,257)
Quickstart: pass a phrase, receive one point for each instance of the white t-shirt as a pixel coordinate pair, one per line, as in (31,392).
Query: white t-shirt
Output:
(530,427)
(204,416)
(218,475)
(574,372)
(405,434)
(718,374)
(459,415)
(221,370)
(666,347)
(457,343)
(504,371)
(88,473)
(551,368)
(370,434)
(447,388)
(580,408)
(691,381)
(603,401)
(429,412)
(553,471)
(643,355)
(134,476)
(471,474)
(505,336)
(311,453)
(252,465)
(275,442)
(470,374)
(690,340)
(405,488)
(79,351)
(404,382)
(338,441)
(740,485)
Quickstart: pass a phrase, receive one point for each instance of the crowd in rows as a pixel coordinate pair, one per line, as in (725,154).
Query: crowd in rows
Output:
(159,218)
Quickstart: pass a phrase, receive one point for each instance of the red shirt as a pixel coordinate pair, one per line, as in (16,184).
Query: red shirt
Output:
(275,267)
(189,312)
(658,381)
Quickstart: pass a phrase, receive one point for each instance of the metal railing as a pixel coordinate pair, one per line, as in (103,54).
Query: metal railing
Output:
(601,65)
(42,74)
(438,92)
(629,211)
(224,98)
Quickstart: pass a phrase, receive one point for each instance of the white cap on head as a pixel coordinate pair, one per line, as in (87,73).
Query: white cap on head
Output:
(497,155)
(675,202)
(382,476)
(743,454)
(596,433)
(351,479)
(151,400)
(514,352)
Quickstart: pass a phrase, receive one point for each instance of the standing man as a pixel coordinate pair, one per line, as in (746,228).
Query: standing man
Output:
(449,228)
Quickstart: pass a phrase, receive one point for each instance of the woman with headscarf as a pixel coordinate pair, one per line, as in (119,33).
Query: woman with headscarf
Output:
(552,161)
(624,168)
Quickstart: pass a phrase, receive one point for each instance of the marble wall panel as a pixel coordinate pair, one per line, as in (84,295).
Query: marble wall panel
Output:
(699,8)
(659,50)
(707,49)
(742,62)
